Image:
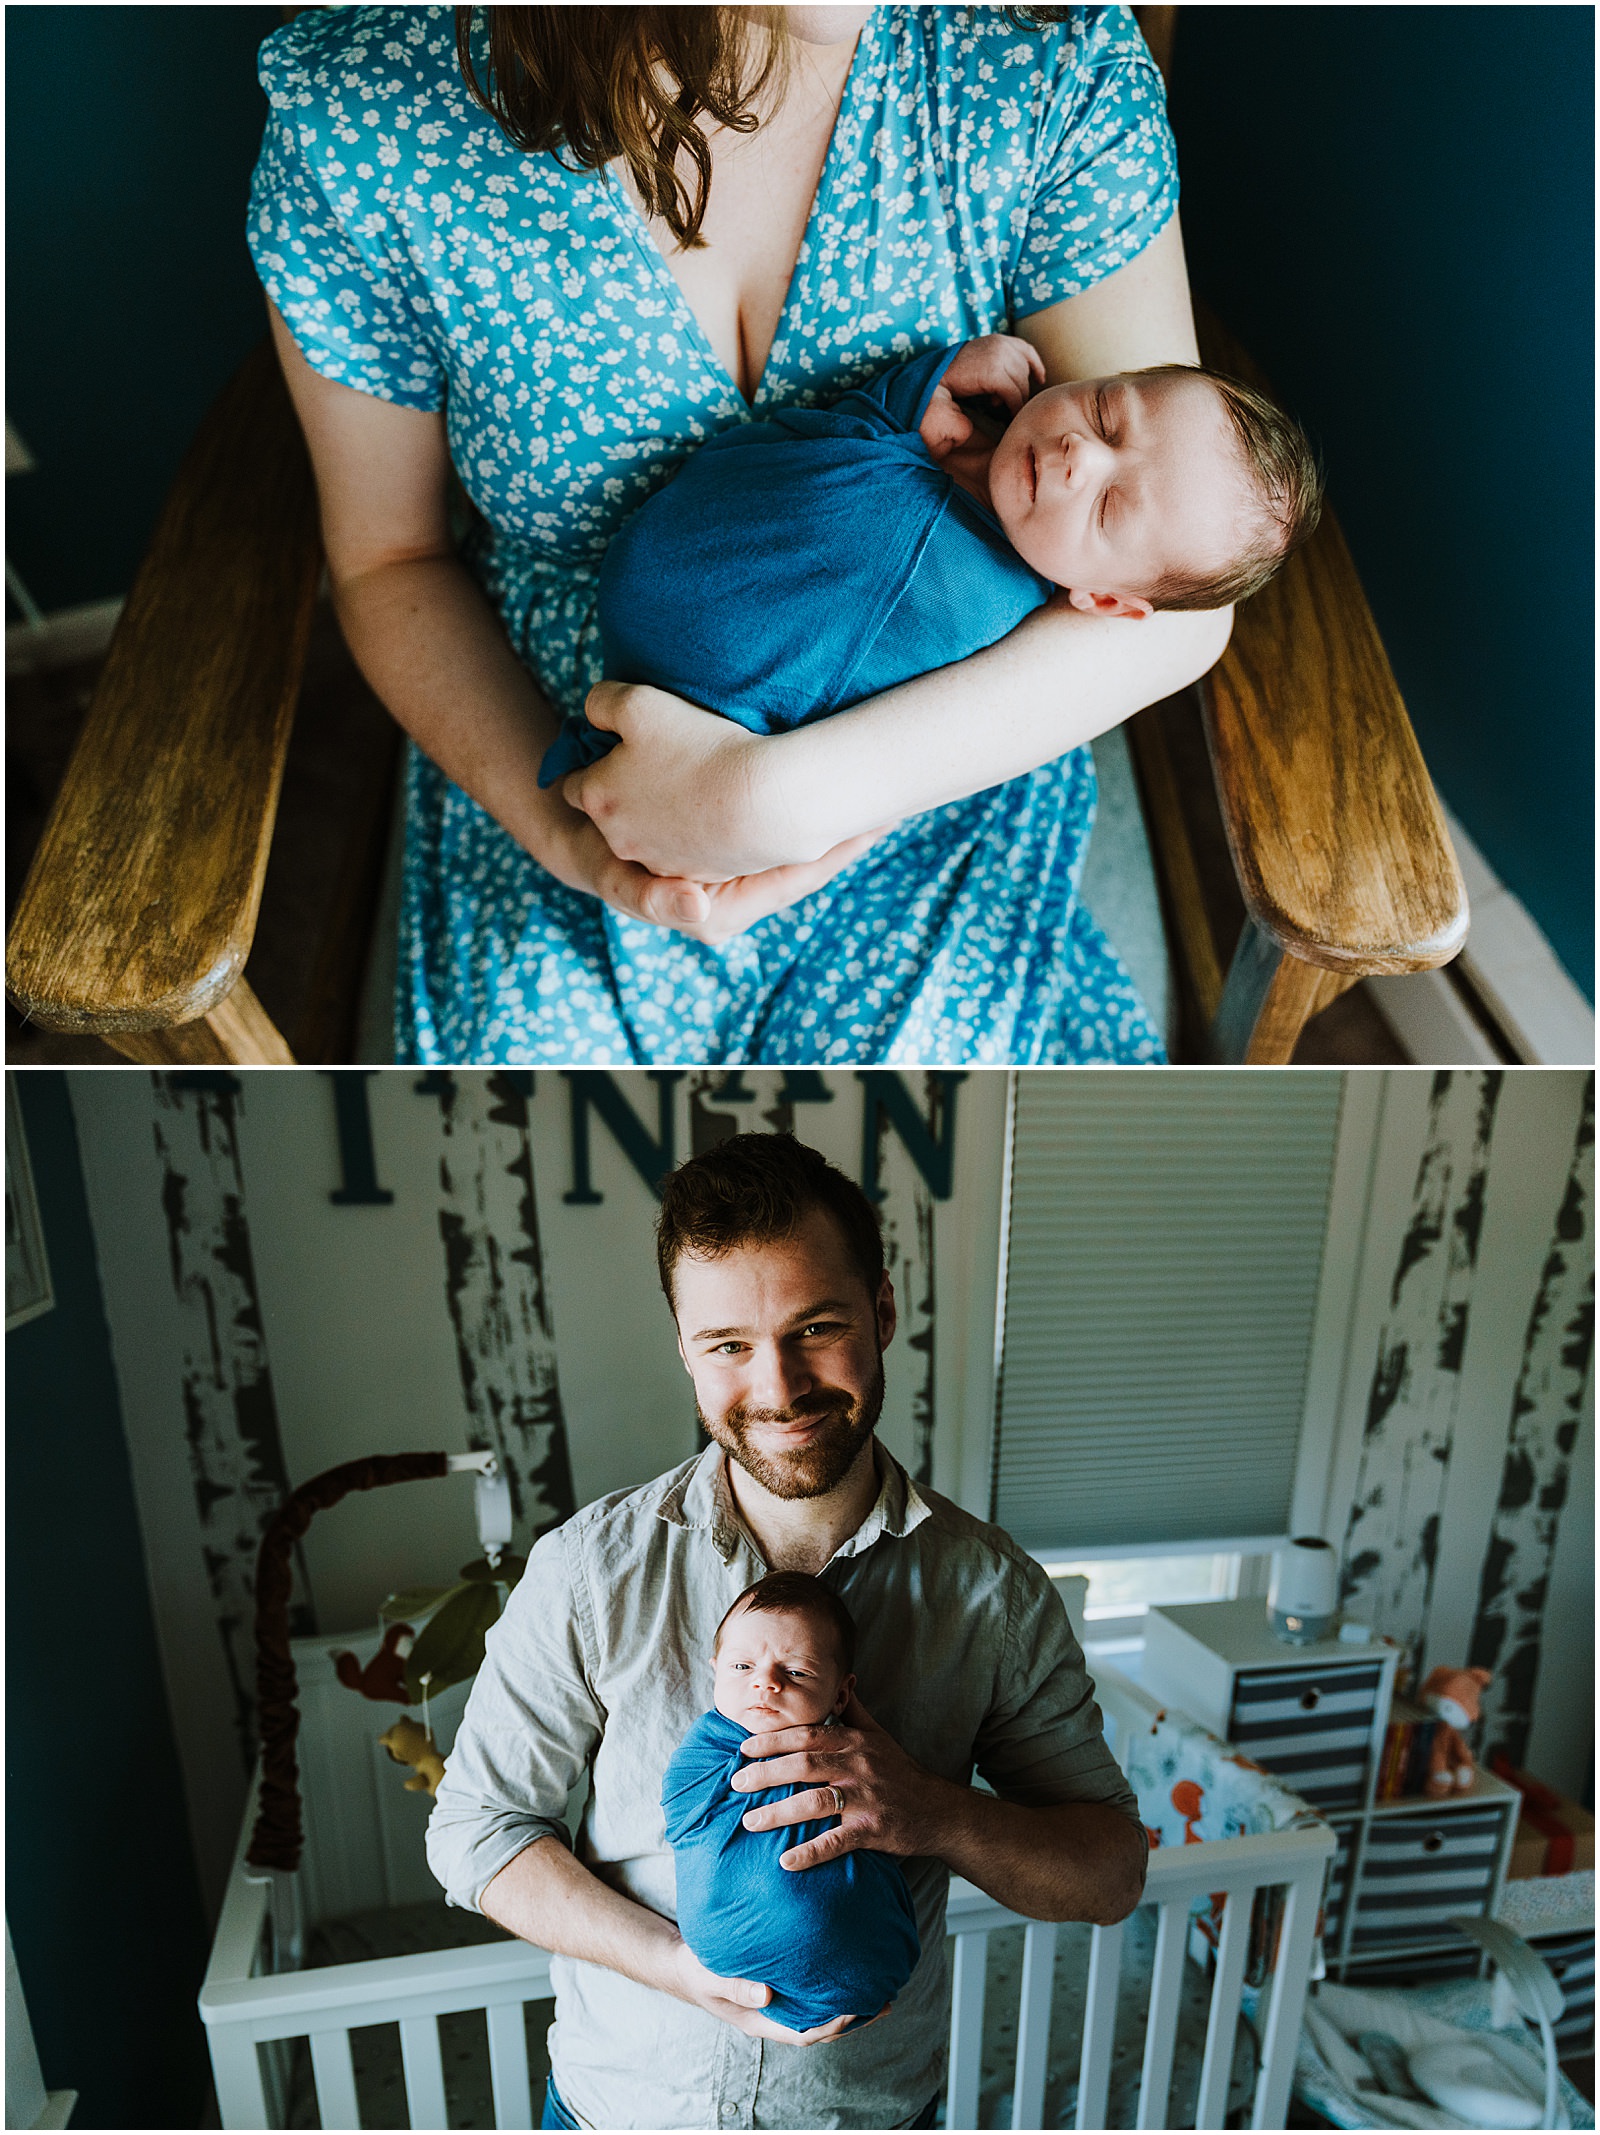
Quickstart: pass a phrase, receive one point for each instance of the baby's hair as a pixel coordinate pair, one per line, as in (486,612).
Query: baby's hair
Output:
(798,1594)
(1286,481)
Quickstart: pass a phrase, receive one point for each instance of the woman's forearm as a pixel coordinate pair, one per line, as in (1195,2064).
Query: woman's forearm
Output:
(1059,679)
(432,648)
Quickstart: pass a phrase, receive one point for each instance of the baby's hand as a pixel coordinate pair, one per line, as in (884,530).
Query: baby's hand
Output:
(999,366)
(1002,365)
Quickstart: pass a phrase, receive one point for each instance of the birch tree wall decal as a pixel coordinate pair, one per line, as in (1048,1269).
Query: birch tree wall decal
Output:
(230,1419)
(497,1294)
(1392,1536)
(1557,1356)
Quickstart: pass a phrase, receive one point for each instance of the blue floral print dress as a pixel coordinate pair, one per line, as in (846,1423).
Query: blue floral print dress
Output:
(979,171)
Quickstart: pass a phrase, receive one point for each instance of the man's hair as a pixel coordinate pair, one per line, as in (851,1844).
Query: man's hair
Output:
(753,1189)
(1284,478)
(798,1594)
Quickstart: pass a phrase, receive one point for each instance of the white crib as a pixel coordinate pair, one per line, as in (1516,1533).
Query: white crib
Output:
(364,1852)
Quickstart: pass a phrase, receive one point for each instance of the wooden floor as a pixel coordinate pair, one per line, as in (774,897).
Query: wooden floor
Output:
(324,849)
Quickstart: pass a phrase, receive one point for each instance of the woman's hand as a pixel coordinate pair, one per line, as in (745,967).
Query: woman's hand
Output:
(687,793)
(569,847)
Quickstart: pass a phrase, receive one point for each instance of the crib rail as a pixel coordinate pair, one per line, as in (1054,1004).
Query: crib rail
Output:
(1294,1860)
(255,1997)
(245,2009)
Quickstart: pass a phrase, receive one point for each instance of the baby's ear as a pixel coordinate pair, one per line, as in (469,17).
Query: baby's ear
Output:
(1130,604)
(844,1694)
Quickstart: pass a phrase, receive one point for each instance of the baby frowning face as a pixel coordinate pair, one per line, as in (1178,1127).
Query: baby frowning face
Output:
(1110,486)
(778,1668)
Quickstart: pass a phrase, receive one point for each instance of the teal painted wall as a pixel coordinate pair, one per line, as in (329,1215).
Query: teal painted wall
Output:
(1391,204)
(1393,208)
(131,133)
(101,1892)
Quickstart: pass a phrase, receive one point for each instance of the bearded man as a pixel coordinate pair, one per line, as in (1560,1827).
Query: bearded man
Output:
(772,1263)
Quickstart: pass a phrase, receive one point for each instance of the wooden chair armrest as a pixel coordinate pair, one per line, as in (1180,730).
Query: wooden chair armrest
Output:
(1337,838)
(139,908)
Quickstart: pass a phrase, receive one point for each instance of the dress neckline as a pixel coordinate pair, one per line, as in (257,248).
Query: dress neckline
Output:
(640,230)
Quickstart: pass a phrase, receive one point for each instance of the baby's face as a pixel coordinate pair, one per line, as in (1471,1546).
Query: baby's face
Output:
(1108,485)
(775,1670)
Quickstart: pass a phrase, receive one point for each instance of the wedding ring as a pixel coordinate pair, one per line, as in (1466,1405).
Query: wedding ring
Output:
(838,1801)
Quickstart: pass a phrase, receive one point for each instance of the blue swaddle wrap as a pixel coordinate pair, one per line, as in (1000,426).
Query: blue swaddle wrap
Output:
(795,566)
(839,1939)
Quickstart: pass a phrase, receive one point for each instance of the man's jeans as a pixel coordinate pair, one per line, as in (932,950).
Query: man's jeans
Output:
(557,2116)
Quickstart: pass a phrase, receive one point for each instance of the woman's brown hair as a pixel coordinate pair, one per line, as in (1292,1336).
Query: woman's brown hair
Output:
(603,83)
(598,83)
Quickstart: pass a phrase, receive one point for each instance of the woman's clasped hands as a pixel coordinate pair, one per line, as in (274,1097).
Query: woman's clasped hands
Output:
(682,824)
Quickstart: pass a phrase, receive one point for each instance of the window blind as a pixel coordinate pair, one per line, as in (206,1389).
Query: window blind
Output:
(1163,1258)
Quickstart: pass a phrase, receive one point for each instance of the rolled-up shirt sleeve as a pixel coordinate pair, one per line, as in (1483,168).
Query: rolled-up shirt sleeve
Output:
(1042,1741)
(529,1730)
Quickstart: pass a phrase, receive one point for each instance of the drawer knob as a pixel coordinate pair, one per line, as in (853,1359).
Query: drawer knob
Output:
(1433,1842)
(1310,1700)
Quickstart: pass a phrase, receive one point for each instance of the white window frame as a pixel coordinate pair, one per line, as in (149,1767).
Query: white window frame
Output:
(967,1474)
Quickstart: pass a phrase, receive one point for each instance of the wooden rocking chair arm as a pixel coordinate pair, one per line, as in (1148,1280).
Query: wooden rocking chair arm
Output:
(140,906)
(1337,837)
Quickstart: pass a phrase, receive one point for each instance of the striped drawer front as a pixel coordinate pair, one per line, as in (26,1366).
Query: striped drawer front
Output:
(1420,1869)
(1455,1960)
(1571,1959)
(1337,1894)
(1309,1727)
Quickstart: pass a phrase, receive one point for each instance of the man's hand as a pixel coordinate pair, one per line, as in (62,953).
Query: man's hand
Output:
(739,2002)
(890,1803)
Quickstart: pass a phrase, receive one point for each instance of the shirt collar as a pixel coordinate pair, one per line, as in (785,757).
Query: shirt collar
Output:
(701,1498)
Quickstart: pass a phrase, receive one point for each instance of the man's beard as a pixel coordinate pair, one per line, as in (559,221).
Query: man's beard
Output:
(826,1458)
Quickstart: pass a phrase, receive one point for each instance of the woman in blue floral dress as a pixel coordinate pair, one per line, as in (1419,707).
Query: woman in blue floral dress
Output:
(897,884)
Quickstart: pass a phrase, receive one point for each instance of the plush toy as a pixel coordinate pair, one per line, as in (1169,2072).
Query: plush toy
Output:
(407,1743)
(384,1676)
(1456,1696)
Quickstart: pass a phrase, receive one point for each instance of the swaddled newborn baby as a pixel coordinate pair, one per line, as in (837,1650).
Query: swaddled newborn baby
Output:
(836,1940)
(795,566)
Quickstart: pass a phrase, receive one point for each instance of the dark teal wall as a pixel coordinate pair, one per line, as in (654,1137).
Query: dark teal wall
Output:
(1392,206)
(130,137)
(101,1893)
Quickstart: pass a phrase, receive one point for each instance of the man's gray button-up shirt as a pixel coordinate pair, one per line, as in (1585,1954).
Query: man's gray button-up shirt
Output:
(599,1664)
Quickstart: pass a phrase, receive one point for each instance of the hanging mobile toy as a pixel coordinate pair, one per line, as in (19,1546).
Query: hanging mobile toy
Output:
(407,1669)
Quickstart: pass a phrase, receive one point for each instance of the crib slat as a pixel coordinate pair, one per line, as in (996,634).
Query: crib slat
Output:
(1099,2025)
(1227,1979)
(966,2030)
(508,2066)
(1033,2026)
(335,2075)
(1161,2029)
(1286,2008)
(236,2071)
(424,2067)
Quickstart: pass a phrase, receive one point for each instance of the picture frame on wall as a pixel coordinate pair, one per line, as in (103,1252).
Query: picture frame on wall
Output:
(28,1286)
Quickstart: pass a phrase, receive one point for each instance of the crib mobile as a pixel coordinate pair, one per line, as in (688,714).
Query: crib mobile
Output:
(409,1667)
